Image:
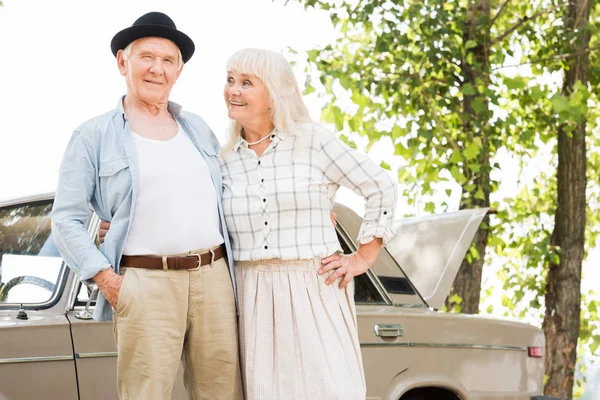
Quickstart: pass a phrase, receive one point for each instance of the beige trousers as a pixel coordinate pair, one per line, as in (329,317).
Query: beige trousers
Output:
(163,317)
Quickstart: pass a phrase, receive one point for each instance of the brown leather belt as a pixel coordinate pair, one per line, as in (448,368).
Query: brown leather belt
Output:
(190,261)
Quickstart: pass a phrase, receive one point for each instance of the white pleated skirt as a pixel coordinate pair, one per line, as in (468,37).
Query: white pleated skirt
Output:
(298,336)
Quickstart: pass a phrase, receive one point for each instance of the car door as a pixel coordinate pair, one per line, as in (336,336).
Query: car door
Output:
(36,355)
(412,274)
(380,327)
(94,345)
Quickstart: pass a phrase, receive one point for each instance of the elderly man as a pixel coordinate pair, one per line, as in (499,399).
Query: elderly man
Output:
(165,266)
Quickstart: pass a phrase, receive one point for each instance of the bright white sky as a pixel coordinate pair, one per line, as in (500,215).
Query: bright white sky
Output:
(57,71)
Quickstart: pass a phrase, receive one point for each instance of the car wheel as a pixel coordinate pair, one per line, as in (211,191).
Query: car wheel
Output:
(430,394)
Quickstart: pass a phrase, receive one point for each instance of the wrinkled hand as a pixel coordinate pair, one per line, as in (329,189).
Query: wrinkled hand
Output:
(109,284)
(345,266)
(103,230)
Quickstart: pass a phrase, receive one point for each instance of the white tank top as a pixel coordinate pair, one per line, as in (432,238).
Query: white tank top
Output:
(176,206)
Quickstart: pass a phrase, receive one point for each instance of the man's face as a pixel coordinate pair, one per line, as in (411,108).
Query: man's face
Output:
(151,69)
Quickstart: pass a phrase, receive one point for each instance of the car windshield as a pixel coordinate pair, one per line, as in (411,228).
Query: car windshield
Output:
(30,265)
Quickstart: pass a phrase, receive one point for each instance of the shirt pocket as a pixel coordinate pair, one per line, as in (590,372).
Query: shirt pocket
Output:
(114,182)
(112,167)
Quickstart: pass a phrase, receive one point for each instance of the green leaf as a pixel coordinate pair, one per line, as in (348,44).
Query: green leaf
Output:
(456,299)
(457,175)
(455,158)
(349,142)
(382,45)
(312,55)
(595,344)
(515,83)
(430,207)
(470,44)
(478,105)
(479,194)
(468,89)
(403,174)
(352,124)
(472,150)
(559,103)
(309,89)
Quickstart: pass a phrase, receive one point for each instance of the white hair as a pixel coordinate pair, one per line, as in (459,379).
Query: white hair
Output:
(288,110)
(127,50)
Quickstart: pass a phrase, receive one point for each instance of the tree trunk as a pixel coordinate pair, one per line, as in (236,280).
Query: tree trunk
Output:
(475,118)
(563,292)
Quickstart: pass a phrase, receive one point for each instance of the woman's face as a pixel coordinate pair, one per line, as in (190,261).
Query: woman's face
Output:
(247,98)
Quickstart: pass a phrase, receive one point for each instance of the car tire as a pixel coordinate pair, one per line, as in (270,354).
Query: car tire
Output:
(430,395)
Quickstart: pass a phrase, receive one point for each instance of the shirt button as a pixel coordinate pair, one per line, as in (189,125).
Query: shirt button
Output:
(110,170)
(266,223)
(266,247)
(385,213)
(262,180)
(258,162)
(272,136)
(264,200)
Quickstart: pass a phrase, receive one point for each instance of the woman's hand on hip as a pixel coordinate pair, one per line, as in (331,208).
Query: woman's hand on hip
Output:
(346,267)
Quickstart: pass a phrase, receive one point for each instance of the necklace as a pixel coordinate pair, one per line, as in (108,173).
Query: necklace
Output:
(258,141)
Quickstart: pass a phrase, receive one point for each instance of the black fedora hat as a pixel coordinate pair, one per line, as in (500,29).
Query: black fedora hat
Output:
(154,24)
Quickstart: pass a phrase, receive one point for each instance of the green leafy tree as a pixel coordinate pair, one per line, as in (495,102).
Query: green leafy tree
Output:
(424,74)
(563,293)
(435,78)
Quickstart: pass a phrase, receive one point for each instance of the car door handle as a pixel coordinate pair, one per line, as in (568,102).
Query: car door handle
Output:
(388,330)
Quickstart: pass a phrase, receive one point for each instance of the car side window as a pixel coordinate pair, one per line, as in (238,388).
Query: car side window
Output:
(31,268)
(364,289)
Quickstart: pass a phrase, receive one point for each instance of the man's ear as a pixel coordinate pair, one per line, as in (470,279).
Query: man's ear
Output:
(121,63)
(179,71)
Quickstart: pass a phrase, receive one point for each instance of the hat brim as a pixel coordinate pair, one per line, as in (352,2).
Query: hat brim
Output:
(128,35)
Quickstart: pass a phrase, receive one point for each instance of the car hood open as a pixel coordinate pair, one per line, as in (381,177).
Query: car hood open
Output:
(431,249)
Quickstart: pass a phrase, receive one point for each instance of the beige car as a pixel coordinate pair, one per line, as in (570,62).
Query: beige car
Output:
(50,348)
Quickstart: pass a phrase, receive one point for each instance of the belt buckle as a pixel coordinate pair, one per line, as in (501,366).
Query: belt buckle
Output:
(199,261)
(212,259)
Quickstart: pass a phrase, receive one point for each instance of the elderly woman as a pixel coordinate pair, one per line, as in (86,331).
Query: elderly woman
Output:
(281,171)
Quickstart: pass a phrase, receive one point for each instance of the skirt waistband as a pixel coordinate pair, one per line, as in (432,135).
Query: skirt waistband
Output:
(275,264)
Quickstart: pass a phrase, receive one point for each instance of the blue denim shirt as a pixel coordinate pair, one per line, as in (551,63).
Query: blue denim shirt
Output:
(99,168)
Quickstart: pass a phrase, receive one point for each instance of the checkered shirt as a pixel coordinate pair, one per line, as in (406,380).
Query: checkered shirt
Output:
(278,205)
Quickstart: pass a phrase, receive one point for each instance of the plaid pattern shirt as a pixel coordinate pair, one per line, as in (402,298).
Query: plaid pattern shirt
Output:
(278,205)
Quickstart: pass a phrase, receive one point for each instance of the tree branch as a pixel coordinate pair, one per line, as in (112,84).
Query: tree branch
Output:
(520,22)
(557,57)
(499,11)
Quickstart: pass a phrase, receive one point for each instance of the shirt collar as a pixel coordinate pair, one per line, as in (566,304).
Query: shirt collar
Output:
(172,107)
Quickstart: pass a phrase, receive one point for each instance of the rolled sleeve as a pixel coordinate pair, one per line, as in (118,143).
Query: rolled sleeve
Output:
(356,171)
(381,227)
(76,184)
